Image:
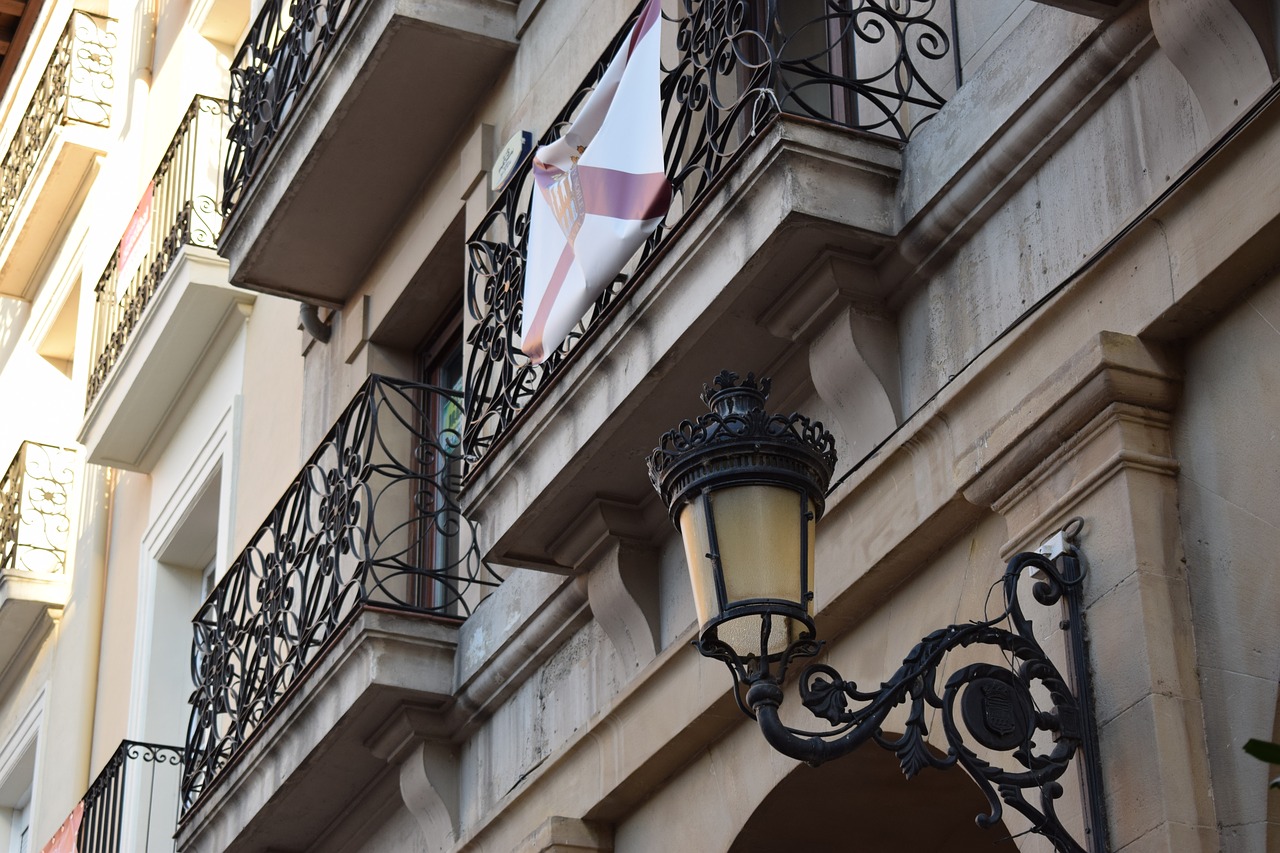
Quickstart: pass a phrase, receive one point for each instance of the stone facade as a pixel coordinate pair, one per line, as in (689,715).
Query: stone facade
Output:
(1054,297)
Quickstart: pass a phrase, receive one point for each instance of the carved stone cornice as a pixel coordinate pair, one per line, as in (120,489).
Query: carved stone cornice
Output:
(1111,369)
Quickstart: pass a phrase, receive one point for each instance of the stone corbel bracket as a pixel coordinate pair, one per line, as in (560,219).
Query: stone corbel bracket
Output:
(1224,49)
(837,307)
(428,771)
(610,543)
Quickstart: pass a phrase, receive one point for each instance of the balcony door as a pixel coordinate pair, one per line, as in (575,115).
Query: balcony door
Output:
(441,529)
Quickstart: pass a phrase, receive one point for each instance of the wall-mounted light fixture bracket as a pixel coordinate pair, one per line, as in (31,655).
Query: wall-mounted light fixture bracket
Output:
(745,489)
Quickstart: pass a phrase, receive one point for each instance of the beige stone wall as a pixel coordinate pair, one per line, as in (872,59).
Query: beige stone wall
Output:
(556,703)
(272,450)
(1229,508)
(1049,223)
(129,502)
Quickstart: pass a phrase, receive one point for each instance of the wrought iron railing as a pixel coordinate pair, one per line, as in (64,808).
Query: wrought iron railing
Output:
(35,524)
(132,807)
(871,65)
(282,53)
(179,208)
(371,519)
(75,88)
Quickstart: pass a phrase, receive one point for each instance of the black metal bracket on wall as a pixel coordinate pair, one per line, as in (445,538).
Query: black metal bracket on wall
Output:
(993,707)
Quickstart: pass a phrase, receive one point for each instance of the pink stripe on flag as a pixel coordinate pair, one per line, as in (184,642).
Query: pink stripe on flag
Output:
(533,345)
(624,195)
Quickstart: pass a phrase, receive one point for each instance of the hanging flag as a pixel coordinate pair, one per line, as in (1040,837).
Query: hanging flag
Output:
(601,189)
(136,243)
(64,840)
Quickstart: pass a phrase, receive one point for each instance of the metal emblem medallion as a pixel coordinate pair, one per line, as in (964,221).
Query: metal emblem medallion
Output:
(997,713)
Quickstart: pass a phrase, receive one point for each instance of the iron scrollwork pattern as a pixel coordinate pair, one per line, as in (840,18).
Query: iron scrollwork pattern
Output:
(371,519)
(35,522)
(285,48)
(873,65)
(726,427)
(983,707)
(184,212)
(76,88)
(107,801)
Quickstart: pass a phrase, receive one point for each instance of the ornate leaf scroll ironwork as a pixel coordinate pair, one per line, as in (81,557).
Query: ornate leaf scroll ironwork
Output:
(76,88)
(736,65)
(994,718)
(35,522)
(372,518)
(281,55)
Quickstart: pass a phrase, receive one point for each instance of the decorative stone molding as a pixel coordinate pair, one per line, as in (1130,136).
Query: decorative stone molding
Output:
(520,627)
(1122,436)
(941,221)
(1111,368)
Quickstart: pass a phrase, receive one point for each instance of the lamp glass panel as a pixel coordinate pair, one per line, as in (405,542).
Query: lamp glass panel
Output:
(697,547)
(758,533)
(743,634)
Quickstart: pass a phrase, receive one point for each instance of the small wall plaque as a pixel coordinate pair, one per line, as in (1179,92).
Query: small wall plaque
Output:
(511,156)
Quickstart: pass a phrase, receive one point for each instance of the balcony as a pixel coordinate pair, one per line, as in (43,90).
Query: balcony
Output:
(340,110)
(783,130)
(163,305)
(35,531)
(55,146)
(344,604)
(133,804)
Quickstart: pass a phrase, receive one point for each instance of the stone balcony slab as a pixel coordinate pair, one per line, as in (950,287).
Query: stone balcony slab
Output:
(355,143)
(190,320)
(311,760)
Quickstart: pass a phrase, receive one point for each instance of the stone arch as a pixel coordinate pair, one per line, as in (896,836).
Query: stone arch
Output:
(862,802)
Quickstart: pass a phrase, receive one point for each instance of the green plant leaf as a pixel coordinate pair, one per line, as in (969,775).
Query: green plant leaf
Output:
(1264,750)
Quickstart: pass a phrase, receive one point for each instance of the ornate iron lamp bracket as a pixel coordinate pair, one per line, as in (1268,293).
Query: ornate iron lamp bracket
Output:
(995,708)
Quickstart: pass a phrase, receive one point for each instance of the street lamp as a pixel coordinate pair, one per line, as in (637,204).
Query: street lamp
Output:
(746,489)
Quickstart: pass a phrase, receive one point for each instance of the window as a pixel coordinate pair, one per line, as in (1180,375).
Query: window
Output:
(22,826)
(16,783)
(440,526)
